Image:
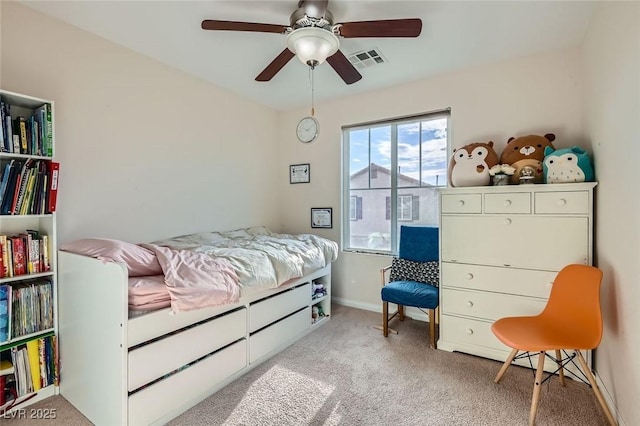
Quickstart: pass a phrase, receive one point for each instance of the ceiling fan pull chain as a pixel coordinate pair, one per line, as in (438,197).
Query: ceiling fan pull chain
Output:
(313,111)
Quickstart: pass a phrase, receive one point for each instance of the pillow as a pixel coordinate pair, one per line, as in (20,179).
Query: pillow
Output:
(408,270)
(139,260)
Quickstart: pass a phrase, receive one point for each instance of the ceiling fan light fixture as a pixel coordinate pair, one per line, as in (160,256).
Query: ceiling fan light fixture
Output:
(312,45)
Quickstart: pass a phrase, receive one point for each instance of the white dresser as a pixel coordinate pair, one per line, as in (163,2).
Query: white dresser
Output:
(500,249)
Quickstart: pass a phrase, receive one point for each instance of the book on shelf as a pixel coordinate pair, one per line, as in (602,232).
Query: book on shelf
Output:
(20,128)
(42,116)
(5,313)
(6,171)
(54,173)
(33,355)
(9,192)
(19,261)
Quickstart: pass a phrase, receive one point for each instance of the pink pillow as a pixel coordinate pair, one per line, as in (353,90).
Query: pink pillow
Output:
(139,260)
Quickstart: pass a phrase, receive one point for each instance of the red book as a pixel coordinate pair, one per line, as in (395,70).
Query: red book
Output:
(54,171)
(3,384)
(19,257)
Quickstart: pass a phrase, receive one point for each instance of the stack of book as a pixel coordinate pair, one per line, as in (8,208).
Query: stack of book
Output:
(25,253)
(28,367)
(29,186)
(31,135)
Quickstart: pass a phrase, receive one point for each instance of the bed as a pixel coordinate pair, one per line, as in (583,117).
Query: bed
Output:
(147,362)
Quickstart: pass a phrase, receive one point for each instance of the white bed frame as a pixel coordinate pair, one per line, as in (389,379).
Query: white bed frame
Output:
(106,357)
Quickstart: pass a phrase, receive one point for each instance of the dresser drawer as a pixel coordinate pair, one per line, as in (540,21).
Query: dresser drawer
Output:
(507,203)
(522,282)
(461,203)
(569,202)
(271,309)
(468,331)
(487,305)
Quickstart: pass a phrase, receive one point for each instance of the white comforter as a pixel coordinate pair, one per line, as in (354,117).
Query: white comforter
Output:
(261,258)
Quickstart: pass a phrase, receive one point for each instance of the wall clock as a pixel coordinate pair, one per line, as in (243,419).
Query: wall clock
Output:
(307,129)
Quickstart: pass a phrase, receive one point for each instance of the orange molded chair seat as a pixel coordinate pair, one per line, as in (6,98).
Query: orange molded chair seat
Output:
(571,320)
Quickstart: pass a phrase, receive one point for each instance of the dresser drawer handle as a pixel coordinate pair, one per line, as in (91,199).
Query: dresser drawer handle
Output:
(562,202)
(469,276)
(469,304)
(469,331)
(507,221)
(460,203)
(507,203)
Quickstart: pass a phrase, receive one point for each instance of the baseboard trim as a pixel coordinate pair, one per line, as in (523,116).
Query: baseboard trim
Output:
(609,400)
(413,313)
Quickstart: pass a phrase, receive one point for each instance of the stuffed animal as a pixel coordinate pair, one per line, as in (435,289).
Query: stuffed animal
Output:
(567,165)
(470,164)
(526,151)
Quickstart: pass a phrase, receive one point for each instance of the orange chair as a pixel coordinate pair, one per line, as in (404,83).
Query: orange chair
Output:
(570,321)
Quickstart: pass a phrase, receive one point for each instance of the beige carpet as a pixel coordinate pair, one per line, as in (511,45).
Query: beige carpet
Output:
(346,373)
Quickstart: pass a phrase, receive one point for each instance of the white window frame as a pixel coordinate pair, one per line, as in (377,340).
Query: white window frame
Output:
(346,197)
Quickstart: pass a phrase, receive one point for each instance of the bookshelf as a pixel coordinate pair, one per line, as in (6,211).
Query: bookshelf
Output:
(28,270)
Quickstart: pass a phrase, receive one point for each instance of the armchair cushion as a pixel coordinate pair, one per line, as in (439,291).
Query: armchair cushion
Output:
(423,272)
(411,293)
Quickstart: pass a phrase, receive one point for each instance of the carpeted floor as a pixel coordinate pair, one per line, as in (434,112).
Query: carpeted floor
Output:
(346,373)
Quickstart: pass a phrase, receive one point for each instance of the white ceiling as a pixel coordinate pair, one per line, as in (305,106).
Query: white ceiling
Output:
(455,35)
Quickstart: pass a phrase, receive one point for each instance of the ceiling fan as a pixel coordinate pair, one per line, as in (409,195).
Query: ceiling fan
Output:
(314,38)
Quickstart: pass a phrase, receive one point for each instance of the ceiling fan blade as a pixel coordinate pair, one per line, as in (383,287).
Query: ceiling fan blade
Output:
(344,68)
(210,24)
(383,28)
(275,65)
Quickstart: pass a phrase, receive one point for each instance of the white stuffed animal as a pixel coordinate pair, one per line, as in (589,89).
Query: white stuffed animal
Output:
(470,164)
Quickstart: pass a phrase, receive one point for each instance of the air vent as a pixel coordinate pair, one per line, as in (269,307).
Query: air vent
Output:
(366,58)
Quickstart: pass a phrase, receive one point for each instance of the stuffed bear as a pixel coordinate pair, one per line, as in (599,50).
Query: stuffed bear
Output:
(526,151)
(470,164)
(567,165)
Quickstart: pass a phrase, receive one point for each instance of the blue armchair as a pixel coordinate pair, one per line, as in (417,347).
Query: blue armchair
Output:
(413,277)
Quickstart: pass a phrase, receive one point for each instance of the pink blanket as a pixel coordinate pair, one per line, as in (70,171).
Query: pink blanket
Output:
(196,280)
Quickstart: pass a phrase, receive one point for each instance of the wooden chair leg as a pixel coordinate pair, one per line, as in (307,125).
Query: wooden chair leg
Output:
(432,327)
(385,318)
(536,389)
(596,389)
(506,365)
(401,312)
(561,371)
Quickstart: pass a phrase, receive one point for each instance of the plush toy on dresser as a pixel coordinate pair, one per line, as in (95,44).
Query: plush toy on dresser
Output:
(527,151)
(567,165)
(470,164)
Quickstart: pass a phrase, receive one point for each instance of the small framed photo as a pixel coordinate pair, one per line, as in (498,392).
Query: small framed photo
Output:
(300,173)
(321,217)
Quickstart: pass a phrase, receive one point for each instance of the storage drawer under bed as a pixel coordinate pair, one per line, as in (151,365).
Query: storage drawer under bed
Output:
(265,341)
(163,356)
(271,309)
(152,403)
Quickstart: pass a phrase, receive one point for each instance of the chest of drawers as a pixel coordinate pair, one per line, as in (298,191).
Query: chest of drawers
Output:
(500,250)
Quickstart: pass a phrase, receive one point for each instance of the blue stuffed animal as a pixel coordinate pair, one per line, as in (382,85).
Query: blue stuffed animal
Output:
(567,165)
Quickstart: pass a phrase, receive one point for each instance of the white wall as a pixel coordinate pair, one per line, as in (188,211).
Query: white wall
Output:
(146,151)
(612,115)
(537,94)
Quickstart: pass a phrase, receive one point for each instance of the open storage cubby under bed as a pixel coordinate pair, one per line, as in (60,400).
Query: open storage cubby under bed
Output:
(153,367)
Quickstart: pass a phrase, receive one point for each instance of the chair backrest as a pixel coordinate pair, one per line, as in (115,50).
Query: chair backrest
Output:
(419,243)
(575,300)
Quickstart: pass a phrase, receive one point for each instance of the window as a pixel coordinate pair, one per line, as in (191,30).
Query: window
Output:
(403,160)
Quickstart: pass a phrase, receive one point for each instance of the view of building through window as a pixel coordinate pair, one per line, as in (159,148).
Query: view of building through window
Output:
(393,170)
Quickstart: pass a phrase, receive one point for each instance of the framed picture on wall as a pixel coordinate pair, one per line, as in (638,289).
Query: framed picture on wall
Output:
(321,217)
(300,173)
